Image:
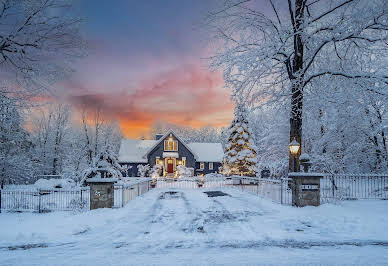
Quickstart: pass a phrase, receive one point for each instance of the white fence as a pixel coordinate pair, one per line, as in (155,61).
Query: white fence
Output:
(351,186)
(66,200)
(274,189)
(127,192)
(333,187)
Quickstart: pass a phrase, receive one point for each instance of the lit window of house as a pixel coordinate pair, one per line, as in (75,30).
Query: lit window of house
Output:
(211,166)
(184,161)
(157,160)
(201,166)
(170,145)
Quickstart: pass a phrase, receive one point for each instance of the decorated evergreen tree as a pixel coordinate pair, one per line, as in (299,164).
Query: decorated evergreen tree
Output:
(240,151)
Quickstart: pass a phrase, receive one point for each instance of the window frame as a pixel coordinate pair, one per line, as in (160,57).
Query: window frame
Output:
(174,146)
(201,166)
(211,166)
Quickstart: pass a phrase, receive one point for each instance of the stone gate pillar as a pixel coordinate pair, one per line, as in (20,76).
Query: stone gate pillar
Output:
(306,189)
(101,192)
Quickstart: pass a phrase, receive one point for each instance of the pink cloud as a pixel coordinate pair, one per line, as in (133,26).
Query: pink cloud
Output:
(188,95)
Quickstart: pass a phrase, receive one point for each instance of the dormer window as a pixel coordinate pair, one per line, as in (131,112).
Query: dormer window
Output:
(170,144)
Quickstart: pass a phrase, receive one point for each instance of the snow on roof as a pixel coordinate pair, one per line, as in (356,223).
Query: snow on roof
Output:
(133,150)
(207,152)
(164,137)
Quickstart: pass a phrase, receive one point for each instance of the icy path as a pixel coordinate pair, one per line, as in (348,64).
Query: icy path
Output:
(188,227)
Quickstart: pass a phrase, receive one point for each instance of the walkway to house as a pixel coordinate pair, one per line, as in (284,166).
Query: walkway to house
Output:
(178,226)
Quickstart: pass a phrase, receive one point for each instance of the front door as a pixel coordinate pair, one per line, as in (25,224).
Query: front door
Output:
(170,166)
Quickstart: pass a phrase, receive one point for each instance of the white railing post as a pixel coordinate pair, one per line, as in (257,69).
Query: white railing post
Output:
(122,195)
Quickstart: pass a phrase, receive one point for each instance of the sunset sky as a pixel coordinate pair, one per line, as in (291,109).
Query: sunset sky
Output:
(146,63)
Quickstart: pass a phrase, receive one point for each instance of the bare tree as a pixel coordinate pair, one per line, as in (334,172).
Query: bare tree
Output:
(87,137)
(61,122)
(309,45)
(37,41)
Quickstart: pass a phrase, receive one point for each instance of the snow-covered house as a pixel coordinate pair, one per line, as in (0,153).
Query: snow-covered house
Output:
(170,151)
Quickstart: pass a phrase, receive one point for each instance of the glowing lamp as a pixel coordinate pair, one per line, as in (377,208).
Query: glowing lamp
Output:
(294,147)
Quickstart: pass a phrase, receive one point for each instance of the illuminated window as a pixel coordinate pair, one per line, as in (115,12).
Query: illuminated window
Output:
(211,166)
(184,161)
(170,145)
(201,166)
(157,160)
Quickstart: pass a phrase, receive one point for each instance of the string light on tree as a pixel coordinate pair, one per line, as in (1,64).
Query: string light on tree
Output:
(240,152)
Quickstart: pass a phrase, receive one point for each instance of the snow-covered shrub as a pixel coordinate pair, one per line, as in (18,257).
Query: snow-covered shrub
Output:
(49,184)
(105,164)
(184,171)
(144,170)
(156,171)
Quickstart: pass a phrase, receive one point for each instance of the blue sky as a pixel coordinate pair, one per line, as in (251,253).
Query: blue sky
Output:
(146,63)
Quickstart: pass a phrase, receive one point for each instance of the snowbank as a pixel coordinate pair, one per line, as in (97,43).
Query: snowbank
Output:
(49,184)
(187,227)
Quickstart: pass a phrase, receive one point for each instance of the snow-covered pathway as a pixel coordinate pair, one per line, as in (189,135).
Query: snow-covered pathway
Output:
(188,227)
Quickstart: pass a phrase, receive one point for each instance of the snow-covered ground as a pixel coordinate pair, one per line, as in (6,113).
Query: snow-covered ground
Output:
(187,227)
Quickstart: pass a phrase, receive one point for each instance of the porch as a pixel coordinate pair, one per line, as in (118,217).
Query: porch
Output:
(169,163)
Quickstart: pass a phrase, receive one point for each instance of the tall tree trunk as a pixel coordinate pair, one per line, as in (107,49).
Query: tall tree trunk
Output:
(56,148)
(296,77)
(90,152)
(322,129)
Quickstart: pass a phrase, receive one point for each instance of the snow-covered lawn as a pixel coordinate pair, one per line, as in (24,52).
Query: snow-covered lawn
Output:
(188,227)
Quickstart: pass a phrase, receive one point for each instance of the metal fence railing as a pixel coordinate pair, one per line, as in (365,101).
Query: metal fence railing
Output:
(44,200)
(66,200)
(277,190)
(351,186)
(333,187)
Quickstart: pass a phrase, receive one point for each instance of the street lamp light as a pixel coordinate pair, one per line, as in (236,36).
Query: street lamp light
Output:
(294,147)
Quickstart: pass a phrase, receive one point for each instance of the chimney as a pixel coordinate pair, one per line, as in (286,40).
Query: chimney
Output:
(158,136)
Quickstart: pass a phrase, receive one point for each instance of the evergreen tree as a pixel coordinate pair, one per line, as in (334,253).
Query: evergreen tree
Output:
(240,151)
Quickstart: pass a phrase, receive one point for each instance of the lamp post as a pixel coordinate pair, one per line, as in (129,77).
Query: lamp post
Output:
(294,147)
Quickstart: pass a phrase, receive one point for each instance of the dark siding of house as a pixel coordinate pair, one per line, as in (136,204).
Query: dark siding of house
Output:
(206,169)
(182,151)
(132,172)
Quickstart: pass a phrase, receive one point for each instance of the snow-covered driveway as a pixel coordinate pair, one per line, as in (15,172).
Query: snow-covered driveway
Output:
(188,227)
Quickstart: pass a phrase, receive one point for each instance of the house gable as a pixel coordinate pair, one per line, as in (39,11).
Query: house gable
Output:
(159,152)
(160,142)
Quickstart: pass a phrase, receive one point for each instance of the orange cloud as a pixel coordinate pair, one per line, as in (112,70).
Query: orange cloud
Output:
(188,96)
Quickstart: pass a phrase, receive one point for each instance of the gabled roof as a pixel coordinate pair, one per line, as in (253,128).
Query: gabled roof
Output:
(136,151)
(133,150)
(207,152)
(163,138)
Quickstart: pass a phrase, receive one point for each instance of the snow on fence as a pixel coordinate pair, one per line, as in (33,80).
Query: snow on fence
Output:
(351,187)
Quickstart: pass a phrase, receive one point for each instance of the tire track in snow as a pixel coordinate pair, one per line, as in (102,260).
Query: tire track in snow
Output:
(169,214)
